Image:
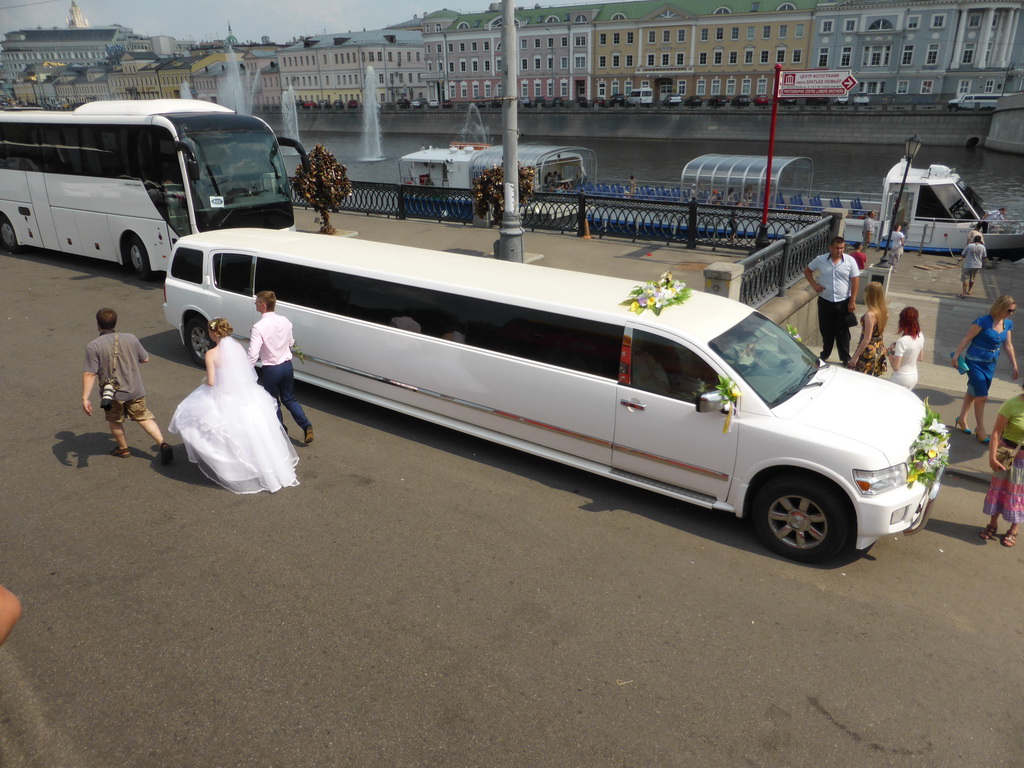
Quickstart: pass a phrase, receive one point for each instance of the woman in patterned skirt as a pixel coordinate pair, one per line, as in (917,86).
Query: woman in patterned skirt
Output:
(1006,490)
(870,356)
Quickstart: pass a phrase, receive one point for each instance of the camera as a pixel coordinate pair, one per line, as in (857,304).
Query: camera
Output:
(107,395)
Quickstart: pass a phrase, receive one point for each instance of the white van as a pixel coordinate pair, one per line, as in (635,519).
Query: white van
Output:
(554,363)
(642,96)
(973,101)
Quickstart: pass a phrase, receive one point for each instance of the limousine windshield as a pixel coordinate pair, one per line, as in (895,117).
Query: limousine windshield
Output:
(771,361)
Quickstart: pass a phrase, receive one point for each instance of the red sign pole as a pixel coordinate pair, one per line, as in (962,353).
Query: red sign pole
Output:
(762,232)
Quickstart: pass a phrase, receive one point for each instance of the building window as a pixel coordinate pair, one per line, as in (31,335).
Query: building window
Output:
(680,35)
(745,86)
(718,57)
(974,20)
(902,86)
(797,56)
(602,62)
(766,32)
(629,60)
(822,58)
(615,61)
(876,56)
(650,36)
(913,22)
(666,36)
(932,56)
(845,56)
(650,60)
(581,41)
(750,33)
(990,86)
(764,56)
(524,64)
(704,35)
(938,21)
(565,62)
(748,56)
(850,25)
(733,57)
(734,34)
(783,31)
(927,86)
(798,31)
(908,56)
(720,33)
(602,39)
(629,38)
(762,86)
(730,87)
(615,38)
(681,87)
(967,57)
(664,59)
(702,58)
(780,56)
(716,87)
(680,59)
(701,87)
(826,27)
(462,47)
(964,86)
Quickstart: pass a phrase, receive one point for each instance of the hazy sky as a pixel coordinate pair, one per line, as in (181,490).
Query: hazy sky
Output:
(206,19)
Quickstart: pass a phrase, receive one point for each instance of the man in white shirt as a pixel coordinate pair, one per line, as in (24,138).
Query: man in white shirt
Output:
(974,256)
(836,285)
(999,214)
(271,343)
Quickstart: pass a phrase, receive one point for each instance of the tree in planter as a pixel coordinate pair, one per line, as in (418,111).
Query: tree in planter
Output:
(324,187)
(489,192)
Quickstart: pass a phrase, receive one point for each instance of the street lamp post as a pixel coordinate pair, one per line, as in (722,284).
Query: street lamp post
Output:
(510,240)
(910,149)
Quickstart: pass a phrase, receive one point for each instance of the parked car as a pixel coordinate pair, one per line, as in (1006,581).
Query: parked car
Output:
(524,101)
(816,101)
(433,103)
(861,98)
(742,101)
(599,101)
(418,103)
(339,104)
(353,104)
(495,103)
(694,101)
(540,101)
(617,100)
(718,101)
(306,104)
(403,103)
(558,101)
(788,101)
(447,104)
(672,100)
(643,97)
(581,101)
(762,101)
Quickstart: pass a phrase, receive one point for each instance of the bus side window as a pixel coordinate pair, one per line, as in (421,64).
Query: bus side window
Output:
(668,368)
(232,272)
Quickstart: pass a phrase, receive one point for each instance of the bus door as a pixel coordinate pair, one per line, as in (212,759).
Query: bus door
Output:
(233,295)
(658,432)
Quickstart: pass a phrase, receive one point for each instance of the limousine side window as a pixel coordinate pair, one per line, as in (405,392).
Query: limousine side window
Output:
(312,287)
(545,337)
(665,367)
(188,265)
(232,272)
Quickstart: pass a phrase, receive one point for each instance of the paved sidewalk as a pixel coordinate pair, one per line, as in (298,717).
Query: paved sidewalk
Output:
(929,283)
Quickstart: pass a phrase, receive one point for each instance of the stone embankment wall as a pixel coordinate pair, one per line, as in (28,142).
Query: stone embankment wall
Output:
(1007,131)
(833,124)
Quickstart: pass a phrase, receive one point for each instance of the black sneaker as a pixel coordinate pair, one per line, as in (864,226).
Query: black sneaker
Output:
(308,435)
(166,453)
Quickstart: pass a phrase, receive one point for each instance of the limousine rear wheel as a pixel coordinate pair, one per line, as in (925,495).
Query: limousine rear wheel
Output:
(197,340)
(801,518)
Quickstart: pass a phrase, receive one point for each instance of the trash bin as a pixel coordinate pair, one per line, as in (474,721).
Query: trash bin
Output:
(873,274)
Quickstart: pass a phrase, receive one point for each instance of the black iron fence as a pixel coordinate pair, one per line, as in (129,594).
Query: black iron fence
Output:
(771,271)
(689,224)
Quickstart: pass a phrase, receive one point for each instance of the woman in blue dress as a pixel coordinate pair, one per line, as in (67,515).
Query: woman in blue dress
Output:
(980,347)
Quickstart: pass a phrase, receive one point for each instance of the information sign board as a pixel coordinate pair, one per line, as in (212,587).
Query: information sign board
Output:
(816,82)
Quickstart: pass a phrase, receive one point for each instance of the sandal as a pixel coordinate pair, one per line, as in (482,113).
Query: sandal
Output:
(957,424)
(121,453)
(989,532)
(983,440)
(1009,538)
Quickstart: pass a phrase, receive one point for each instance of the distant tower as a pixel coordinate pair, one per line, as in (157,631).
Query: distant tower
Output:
(76,20)
(230,39)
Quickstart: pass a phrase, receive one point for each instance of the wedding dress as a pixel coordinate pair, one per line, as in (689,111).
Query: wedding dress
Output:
(231,429)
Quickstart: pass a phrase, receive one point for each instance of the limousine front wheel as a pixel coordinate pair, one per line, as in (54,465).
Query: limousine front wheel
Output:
(197,340)
(801,518)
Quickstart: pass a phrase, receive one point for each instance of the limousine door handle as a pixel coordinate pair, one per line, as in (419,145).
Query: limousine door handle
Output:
(633,404)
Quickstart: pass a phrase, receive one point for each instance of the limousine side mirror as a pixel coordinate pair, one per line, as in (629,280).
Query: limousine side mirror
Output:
(709,402)
(191,166)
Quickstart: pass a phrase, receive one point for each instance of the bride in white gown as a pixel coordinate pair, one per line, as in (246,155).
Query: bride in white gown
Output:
(229,424)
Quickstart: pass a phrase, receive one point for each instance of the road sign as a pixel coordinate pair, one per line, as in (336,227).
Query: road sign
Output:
(816,82)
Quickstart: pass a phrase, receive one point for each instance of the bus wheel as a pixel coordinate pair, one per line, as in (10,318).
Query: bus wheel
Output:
(134,255)
(8,236)
(801,518)
(197,340)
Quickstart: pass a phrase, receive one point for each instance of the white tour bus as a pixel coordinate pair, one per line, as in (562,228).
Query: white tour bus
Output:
(551,362)
(108,179)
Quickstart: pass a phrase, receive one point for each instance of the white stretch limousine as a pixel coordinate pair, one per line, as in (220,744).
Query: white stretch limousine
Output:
(552,362)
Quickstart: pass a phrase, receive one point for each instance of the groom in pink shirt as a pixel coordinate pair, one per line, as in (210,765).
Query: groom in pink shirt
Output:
(271,343)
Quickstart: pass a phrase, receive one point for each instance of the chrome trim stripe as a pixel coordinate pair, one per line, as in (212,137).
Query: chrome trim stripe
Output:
(521,419)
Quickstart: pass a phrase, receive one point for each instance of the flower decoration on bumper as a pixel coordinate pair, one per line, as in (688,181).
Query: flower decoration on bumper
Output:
(929,454)
(794,332)
(655,295)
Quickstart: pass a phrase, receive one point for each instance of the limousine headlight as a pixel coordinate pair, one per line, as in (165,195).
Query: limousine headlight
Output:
(873,482)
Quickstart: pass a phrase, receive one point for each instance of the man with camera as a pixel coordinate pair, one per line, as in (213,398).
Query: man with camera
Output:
(113,359)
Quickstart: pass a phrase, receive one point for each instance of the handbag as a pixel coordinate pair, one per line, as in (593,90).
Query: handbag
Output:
(1005,454)
(961,363)
(851,320)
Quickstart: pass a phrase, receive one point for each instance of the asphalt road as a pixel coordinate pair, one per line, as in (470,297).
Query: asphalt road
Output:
(428,599)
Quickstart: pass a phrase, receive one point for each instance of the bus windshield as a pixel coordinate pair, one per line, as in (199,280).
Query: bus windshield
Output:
(242,180)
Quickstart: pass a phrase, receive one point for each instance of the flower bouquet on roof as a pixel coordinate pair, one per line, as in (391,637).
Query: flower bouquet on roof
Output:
(656,295)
